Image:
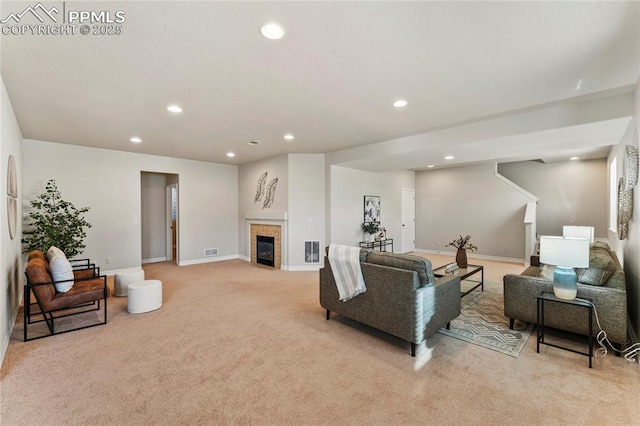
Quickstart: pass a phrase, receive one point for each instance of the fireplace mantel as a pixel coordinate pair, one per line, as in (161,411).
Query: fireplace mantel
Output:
(262,215)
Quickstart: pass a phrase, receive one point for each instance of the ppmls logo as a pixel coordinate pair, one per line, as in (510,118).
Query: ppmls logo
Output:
(40,20)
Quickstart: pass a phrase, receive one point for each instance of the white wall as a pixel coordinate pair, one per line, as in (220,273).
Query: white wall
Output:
(109,183)
(469,200)
(570,192)
(348,188)
(306,206)
(11,265)
(153,220)
(628,250)
(248,175)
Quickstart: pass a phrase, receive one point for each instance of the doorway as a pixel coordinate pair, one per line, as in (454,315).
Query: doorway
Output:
(159,217)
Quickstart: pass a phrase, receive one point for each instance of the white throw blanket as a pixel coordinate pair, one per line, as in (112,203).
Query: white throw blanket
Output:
(345,264)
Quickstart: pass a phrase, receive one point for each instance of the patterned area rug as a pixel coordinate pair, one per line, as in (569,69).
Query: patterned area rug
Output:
(483,323)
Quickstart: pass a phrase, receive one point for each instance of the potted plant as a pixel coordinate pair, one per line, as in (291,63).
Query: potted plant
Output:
(55,222)
(462,244)
(370,229)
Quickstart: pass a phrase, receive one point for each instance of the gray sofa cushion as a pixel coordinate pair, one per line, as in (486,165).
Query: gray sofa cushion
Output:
(404,261)
(601,268)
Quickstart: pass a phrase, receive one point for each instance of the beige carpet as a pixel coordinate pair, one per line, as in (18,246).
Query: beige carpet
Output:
(240,344)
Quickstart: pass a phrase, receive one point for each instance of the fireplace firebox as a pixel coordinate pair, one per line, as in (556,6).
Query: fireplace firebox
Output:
(265,254)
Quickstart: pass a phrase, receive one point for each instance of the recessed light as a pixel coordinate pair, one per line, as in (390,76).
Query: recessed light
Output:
(430,166)
(230,154)
(174,108)
(254,142)
(574,158)
(449,157)
(400,103)
(289,137)
(135,139)
(272,31)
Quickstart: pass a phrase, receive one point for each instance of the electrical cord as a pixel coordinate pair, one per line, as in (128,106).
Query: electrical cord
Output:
(630,353)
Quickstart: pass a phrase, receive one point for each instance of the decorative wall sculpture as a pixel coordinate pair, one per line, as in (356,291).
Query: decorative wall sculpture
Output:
(265,193)
(12,196)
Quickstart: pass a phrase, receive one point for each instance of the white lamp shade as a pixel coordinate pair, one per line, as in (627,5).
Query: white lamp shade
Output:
(578,232)
(564,251)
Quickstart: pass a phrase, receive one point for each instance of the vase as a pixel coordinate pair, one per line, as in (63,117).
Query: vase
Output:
(461,258)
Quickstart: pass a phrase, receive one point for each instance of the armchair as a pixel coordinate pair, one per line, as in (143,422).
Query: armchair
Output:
(88,290)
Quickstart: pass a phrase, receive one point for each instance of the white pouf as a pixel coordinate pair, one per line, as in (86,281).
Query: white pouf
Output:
(123,279)
(144,296)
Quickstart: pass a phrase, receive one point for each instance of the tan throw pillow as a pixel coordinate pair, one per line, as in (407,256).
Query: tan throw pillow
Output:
(61,270)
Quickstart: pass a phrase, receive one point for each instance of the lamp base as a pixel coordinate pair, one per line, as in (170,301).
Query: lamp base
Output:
(565,283)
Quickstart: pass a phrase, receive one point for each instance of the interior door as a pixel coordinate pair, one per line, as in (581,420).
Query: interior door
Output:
(172,221)
(408,233)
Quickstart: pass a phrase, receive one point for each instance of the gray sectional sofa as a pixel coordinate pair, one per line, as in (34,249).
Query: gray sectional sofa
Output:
(603,282)
(403,298)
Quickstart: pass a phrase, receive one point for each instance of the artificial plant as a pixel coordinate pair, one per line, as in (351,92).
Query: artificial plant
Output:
(55,222)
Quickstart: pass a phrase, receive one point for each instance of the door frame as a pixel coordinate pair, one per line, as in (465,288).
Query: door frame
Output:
(168,216)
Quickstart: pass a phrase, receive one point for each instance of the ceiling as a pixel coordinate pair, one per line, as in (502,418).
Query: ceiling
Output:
(330,81)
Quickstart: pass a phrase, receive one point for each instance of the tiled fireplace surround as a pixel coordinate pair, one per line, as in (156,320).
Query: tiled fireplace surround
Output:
(274,231)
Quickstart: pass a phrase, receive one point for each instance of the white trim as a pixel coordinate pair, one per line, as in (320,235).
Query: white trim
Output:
(243,257)
(266,215)
(474,256)
(514,185)
(208,260)
(118,271)
(314,267)
(154,260)
(5,348)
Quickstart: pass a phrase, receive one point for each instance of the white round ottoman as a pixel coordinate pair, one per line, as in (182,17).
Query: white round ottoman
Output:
(144,296)
(123,279)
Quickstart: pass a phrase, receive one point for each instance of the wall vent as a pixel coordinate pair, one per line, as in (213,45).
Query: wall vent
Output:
(211,252)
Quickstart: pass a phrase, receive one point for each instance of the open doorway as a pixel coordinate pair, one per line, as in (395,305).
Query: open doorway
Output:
(159,217)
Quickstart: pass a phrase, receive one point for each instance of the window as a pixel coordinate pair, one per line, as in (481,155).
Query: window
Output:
(613,194)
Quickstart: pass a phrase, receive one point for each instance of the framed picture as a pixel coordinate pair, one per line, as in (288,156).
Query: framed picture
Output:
(312,252)
(371,208)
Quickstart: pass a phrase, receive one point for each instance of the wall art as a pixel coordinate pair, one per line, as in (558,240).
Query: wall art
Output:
(371,208)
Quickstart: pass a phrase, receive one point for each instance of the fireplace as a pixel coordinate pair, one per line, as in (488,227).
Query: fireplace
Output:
(265,253)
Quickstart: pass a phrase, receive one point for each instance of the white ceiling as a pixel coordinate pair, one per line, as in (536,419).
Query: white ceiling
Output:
(330,81)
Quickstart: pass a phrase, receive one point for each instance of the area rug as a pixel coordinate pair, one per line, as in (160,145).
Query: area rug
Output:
(483,323)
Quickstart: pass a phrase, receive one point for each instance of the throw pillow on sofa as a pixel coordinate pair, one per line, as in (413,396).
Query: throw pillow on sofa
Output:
(601,268)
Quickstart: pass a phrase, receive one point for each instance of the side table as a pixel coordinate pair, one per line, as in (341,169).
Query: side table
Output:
(380,244)
(546,296)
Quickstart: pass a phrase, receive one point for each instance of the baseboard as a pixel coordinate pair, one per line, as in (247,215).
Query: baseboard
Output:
(155,260)
(5,345)
(243,257)
(119,271)
(208,260)
(304,268)
(473,256)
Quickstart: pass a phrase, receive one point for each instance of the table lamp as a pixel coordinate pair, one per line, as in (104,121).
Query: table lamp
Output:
(578,232)
(565,253)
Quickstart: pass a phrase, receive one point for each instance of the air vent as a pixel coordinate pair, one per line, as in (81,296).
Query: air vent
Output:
(211,252)
(254,142)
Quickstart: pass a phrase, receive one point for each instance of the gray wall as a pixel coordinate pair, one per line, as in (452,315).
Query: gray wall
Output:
(153,216)
(109,183)
(348,188)
(11,264)
(469,200)
(570,192)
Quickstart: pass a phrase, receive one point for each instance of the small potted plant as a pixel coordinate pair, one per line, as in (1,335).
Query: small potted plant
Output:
(370,229)
(462,244)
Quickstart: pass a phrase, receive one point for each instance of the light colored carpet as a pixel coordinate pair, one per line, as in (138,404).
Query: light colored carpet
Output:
(483,323)
(240,344)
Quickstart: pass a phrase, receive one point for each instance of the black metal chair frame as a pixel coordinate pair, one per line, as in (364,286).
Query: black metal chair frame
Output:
(50,316)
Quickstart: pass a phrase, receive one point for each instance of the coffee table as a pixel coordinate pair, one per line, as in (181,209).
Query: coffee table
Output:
(464,273)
